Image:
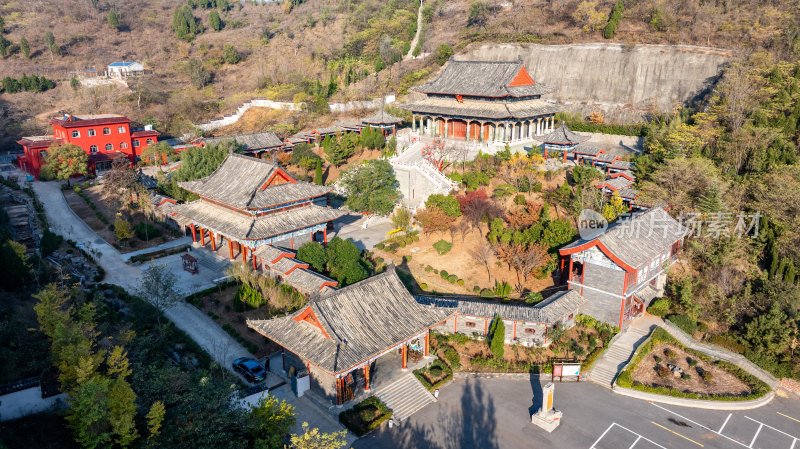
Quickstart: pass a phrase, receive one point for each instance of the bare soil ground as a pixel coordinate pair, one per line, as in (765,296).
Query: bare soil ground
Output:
(220,303)
(723,382)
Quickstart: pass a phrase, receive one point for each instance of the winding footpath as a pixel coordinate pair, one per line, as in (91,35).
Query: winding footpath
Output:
(410,54)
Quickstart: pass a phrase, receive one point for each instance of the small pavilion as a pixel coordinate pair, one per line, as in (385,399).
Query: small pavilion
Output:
(341,334)
(562,139)
(250,203)
(383,121)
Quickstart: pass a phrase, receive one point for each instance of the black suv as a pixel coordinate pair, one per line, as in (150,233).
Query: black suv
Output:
(250,369)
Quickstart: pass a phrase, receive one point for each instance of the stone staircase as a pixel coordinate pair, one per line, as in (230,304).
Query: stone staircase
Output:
(404,396)
(606,369)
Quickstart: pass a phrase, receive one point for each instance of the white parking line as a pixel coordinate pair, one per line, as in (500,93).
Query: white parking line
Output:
(704,427)
(725,423)
(761,424)
(753,441)
(639,437)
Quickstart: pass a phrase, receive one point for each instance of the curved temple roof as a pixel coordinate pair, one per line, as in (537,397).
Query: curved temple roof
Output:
(484,79)
(563,136)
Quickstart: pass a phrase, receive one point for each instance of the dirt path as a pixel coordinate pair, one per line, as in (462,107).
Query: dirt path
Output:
(416,36)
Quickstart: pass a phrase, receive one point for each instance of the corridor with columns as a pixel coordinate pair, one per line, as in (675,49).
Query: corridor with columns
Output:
(482,130)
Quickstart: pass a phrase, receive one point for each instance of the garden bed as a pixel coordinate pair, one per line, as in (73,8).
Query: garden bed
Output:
(582,343)
(365,416)
(434,375)
(217,303)
(664,366)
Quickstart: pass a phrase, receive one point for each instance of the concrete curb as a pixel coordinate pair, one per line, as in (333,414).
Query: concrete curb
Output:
(521,376)
(696,403)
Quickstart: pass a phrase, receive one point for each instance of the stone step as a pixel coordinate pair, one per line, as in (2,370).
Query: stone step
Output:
(405,396)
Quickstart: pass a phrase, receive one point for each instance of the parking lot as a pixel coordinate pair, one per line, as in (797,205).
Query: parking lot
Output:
(495,413)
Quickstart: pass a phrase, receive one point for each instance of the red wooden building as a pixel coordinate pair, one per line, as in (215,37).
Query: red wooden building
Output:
(103,137)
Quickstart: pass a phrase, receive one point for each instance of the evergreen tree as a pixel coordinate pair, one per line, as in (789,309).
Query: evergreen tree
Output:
(230,55)
(711,201)
(113,20)
(50,40)
(5,46)
(25,48)
(214,21)
(318,173)
(498,337)
(314,254)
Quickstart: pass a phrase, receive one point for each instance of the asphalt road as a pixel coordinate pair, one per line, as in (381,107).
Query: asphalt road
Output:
(495,413)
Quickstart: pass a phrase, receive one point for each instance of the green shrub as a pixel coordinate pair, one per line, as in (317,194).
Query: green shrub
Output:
(486,293)
(707,376)
(692,362)
(536,187)
(684,322)
(624,379)
(657,359)
(428,269)
(50,242)
(443,274)
(435,271)
(520,200)
(452,358)
(407,258)
(380,246)
(663,371)
(452,279)
(497,333)
(146,231)
(435,372)
(660,307)
(443,247)
(476,288)
(423,286)
(727,343)
(702,327)
(533,298)
(686,376)
(460,282)
(368,419)
(670,354)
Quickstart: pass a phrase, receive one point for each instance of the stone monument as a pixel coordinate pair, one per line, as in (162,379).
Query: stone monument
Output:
(547,417)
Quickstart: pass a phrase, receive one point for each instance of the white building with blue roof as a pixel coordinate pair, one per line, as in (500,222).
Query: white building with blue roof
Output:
(125,68)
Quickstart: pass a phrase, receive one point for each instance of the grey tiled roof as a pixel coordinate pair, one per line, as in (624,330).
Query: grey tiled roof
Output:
(638,239)
(563,136)
(481,78)
(285,264)
(629,193)
(617,183)
(237,183)
(621,165)
(249,142)
(607,158)
(553,309)
(362,320)
(491,110)
(381,118)
(268,253)
(306,280)
(244,227)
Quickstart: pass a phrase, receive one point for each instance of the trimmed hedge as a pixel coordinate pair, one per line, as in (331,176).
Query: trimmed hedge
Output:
(684,322)
(419,374)
(351,418)
(727,343)
(192,299)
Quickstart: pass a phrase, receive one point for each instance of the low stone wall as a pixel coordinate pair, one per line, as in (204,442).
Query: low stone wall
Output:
(721,354)
(696,403)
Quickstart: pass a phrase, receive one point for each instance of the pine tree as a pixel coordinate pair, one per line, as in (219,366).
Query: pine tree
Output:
(25,48)
(498,337)
(318,173)
(711,201)
(5,46)
(214,21)
(113,20)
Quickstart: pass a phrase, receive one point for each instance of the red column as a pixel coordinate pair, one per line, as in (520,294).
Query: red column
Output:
(254,260)
(486,327)
(545,152)
(244,253)
(366,377)
(338,391)
(427,344)
(565,155)
(569,277)
(405,357)
(455,324)
(202,236)
(325,237)
(213,240)
(291,243)
(515,331)
(194,233)
(230,247)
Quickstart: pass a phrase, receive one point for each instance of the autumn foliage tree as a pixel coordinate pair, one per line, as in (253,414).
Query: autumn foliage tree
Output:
(65,161)
(433,220)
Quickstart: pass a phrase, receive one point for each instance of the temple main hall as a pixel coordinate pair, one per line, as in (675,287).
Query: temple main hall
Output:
(248,203)
(489,101)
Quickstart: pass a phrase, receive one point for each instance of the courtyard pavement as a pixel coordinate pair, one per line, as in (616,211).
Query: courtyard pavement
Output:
(495,413)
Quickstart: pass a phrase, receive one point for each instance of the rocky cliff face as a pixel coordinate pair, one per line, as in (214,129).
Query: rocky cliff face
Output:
(625,81)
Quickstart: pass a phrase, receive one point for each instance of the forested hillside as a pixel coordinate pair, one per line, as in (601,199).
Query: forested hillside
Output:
(205,57)
(732,159)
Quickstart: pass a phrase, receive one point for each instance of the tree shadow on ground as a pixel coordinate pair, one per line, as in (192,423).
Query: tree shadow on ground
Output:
(469,423)
(536,398)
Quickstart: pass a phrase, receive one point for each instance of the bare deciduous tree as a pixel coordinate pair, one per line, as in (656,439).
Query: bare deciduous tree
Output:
(483,254)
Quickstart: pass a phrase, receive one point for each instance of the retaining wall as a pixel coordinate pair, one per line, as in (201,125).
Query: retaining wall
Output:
(624,81)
